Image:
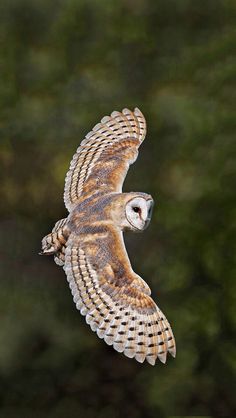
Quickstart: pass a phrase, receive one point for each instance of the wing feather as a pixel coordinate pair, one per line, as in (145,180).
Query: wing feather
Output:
(104,156)
(118,309)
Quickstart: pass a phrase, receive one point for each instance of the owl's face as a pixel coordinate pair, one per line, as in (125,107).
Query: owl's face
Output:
(138,212)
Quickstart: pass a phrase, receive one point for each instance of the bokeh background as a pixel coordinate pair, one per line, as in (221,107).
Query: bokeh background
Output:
(64,65)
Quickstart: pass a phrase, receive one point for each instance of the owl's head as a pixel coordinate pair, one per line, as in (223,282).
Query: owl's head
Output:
(131,211)
(138,212)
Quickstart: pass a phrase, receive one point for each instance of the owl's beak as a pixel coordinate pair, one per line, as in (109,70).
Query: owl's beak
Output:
(149,215)
(150,204)
(147,222)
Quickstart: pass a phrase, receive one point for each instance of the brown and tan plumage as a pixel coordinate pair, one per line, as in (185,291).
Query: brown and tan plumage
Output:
(89,244)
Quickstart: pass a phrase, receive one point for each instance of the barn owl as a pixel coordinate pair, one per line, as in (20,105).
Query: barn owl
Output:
(89,244)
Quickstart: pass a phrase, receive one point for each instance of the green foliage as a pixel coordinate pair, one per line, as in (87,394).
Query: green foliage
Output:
(64,65)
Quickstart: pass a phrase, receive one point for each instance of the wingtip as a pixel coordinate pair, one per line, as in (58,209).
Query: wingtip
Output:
(137,111)
(140,358)
(151,361)
(162,358)
(172,351)
(115,113)
(126,111)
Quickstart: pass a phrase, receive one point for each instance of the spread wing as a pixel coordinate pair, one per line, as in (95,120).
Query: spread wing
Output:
(104,156)
(115,301)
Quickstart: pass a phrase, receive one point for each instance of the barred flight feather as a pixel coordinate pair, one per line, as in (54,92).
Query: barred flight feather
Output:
(110,133)
(136,334)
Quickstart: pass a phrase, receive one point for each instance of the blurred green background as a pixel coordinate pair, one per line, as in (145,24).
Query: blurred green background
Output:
(64,65)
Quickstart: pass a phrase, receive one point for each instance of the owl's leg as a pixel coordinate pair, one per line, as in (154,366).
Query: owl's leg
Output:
(54,243)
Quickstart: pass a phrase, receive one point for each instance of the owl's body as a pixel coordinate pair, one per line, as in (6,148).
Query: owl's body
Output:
(89,242)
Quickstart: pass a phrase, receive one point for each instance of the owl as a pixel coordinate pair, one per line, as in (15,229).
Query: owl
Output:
(89,245)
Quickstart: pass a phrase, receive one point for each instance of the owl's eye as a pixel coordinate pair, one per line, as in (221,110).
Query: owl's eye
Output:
(136,209)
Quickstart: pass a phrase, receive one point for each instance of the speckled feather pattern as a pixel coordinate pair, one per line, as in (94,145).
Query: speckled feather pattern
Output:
(89,244)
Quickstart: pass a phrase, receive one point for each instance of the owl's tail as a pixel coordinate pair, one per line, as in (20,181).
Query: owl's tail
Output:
(54,243)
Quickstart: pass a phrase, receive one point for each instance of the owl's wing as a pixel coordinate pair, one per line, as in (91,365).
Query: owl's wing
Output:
(115,301)
(104,156)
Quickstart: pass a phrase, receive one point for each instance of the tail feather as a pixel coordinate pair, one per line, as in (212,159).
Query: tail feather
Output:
(55,242)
